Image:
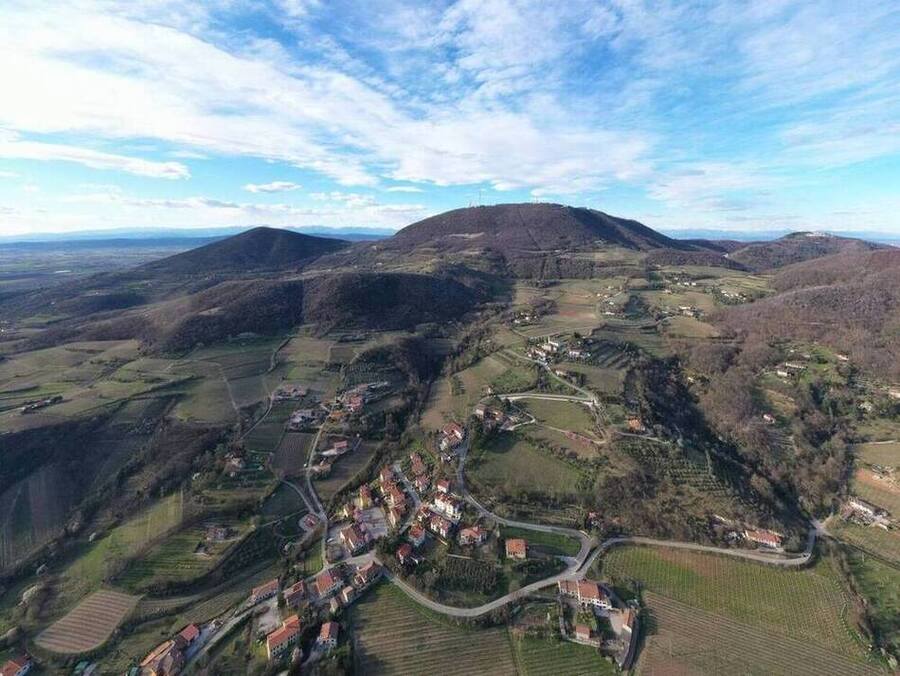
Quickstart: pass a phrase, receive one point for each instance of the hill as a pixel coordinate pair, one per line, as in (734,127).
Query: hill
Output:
(528,228)
(257,249)
(370,301)
(796,248)
(850,301)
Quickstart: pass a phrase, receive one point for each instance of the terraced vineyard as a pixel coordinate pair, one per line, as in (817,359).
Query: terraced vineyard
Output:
(395,636)
(549,657)
(685,640)
(89,624)
(804,604)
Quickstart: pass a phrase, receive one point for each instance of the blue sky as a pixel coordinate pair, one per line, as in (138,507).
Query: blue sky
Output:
(721,114)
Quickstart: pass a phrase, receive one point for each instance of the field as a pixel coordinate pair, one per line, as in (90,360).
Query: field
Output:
(879,453)
(89,624)
(511,462)
(879,583)
(688,327)
(607,380)
(885,544)
(808,605)
(395,636)
(293,452)
(552,543)
(683,639)
(549,657)
(567,415)
(344,469)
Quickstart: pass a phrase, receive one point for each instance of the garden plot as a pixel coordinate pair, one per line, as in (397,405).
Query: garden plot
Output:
(551,657)
(89,624)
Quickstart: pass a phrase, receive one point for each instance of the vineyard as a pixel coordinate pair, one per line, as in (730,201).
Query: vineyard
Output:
(805,604)
(881,543)
(457,572)
(395,636)
(685,640)
(550,657)
(89,624)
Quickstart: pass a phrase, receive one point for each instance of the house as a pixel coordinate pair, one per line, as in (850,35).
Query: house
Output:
(421,483)
(347,594)
(481,411)
(418,466)
(416,535)
(766,538)
(443,486)
(405,554)
(17,666)
(354,539)
(366,575)
(386,475)
(586,592)
(863,507)
(440,526)
(364,500)
(355,403)
(473,535)
(582,632)
(165,660)
(516,548)
(448,506)
(216,533)
(186,637)
(295,594)
(283,638)
(326,583)
(452,436)
(395,516)
(395,497)
(768,418)
(328,636)
(635,425)
(264,591)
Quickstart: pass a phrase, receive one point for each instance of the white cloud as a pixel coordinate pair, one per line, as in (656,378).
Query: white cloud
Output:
(13,148)
(404,188)
(274,186)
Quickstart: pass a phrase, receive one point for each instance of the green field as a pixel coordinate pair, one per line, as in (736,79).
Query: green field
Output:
(552,543)
(396,636)
(804,604)
(509,461)
(879,453)
(598,378)
(566,415)
(874,540)
(550,657)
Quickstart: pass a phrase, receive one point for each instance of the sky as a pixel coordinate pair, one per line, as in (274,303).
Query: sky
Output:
(722,114)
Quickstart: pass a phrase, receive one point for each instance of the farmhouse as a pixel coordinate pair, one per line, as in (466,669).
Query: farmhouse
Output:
(421,483)
(328,635)
(516,548)
(216,533)
(165,660)
(443,486)
(473,535)
(766,538)
(295,594)
(280,640)
(264,591)
(863,507)
(186,637)
(386,475)
(587,593)
(582,632)
(17,666)
(364,500)
(326,583)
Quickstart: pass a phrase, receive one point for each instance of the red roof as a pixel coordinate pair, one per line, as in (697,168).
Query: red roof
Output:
(288,629)
(189,633)
(13,666)
(589,590)
(516,547)
(443,485)
(329,631)
(325,581)
(270,587)
(404,551)
(582,630)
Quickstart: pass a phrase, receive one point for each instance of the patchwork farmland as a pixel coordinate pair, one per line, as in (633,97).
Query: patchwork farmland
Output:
(89,624)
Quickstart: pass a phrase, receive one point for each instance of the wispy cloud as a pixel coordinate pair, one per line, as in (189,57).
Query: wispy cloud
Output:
(274,186)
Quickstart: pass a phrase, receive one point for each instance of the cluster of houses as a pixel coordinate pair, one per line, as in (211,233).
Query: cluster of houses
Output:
(290,393)
(17,666)
(306,418)
(353,401)
(33,406)
(865,513)
(789,370)
(556,349)
(168,658)
(452,436)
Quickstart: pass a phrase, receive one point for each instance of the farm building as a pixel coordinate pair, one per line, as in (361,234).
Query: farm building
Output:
(295,594)
(766,538)
(164,660)
(17,666)
(473,535)
(264,591)
(326,583)
(281,640)
(328,635)
(516,548)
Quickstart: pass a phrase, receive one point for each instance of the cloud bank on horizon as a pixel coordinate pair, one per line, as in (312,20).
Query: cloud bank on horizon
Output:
(713,114)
